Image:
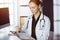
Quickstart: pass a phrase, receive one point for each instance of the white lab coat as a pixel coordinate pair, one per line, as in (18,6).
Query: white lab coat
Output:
(41,34)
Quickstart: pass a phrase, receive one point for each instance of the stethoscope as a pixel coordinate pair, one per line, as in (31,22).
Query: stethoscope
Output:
(42,23)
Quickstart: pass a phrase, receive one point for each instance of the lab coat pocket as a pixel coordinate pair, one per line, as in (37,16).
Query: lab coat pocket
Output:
(39,33)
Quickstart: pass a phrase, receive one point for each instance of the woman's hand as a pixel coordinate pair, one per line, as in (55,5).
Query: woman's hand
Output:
(18,29)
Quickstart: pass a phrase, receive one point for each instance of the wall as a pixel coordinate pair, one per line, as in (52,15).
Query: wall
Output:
(56,19)
(12,5)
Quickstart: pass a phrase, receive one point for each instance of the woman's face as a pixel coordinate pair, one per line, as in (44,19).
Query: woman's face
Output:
(34,7)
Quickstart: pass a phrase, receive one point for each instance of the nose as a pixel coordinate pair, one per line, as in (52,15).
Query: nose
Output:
(31,10)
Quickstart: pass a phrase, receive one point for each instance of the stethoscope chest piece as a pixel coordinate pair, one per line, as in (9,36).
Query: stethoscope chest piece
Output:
(42,23)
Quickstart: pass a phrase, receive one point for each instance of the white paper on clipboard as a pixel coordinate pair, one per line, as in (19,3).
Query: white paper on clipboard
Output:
(23,36)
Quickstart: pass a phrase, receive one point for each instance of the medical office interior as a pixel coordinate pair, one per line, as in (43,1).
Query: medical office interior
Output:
(13,13)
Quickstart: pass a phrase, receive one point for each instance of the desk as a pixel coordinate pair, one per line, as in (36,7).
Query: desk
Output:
(14,38)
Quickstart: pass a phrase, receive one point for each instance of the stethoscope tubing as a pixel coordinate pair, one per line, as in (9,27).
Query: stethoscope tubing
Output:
(41,27)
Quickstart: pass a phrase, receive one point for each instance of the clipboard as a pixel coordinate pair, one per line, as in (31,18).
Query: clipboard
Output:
(22,36)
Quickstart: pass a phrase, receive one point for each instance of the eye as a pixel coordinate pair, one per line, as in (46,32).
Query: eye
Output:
(33,7)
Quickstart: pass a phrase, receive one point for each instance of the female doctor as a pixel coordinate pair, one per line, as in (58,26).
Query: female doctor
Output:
(37,25)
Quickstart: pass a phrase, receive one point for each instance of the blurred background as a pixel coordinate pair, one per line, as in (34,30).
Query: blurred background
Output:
(18,10)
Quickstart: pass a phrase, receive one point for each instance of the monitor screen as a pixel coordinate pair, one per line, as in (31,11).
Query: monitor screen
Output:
(4,17)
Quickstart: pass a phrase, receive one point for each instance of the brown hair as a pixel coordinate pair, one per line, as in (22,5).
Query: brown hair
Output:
(38,2)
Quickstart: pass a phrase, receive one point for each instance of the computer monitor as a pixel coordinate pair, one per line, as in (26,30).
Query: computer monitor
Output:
(4,17)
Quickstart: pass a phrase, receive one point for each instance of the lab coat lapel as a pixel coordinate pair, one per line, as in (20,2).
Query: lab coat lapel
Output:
(38,23)
(30,25)
(38,31)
